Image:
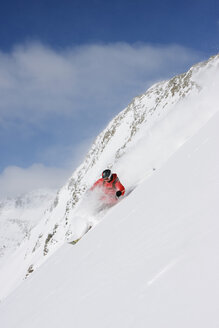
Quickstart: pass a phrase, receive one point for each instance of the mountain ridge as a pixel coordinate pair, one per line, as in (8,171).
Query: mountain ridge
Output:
(170,108)
(151,262)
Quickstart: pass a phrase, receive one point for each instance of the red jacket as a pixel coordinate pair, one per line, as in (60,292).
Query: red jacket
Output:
(109,189)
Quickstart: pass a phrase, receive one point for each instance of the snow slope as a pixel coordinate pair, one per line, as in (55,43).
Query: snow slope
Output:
(152,262)
(136,144)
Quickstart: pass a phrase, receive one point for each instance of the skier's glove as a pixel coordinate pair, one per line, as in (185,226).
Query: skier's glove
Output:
(118,193)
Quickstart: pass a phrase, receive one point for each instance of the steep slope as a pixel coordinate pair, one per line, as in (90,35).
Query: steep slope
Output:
(152,262)
(136,143)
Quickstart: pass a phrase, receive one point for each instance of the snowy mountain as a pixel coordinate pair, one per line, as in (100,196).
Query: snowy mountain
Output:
(153,260)
(163,147)
(18,216)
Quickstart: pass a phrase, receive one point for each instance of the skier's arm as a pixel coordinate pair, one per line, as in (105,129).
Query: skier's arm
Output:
(120,189)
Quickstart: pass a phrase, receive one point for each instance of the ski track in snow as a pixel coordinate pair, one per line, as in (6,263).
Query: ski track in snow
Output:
(162,272)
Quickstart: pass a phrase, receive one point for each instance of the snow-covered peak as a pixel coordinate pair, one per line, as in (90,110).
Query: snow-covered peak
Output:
(152,262)
(141,115)
(18,217)
(135,144)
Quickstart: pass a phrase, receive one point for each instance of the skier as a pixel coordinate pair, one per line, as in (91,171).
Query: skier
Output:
(110,188)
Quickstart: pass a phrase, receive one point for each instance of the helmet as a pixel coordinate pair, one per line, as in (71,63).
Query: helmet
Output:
(106,174)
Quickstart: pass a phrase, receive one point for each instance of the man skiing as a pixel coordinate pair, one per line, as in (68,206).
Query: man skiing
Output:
(110,188)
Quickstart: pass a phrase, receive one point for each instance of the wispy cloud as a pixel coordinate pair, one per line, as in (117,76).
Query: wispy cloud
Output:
(15,180)
(57,99)
(36,81)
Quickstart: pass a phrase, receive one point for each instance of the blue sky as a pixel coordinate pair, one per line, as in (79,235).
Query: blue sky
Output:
(192,23)
(68,67)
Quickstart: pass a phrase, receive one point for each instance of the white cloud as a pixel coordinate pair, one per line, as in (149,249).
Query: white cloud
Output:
(36,81)
(15,180)
(45,92)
